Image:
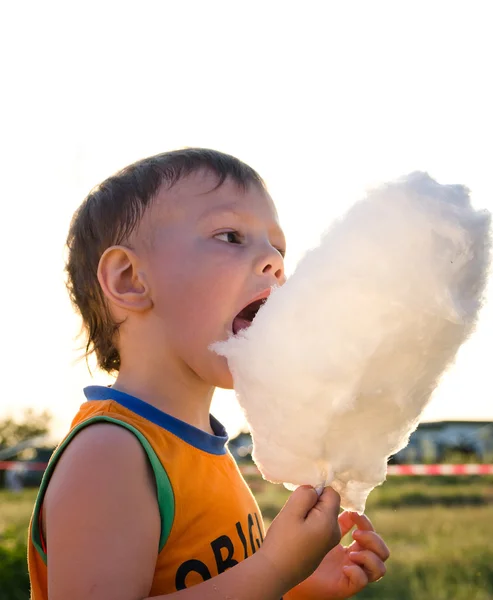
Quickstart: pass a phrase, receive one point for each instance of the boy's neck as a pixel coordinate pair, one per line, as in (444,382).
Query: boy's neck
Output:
(180,397)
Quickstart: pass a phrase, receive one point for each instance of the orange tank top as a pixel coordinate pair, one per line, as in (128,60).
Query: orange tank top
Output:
(209,518)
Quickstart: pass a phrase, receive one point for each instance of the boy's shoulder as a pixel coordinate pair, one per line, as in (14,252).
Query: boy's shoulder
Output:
(104,446)
(102,480)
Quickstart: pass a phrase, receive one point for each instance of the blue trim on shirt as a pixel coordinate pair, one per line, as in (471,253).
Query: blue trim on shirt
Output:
(213,444)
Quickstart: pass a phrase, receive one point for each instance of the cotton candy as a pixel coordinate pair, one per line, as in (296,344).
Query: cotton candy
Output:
(338,365)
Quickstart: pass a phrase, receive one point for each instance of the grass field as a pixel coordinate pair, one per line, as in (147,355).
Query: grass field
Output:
(439,530)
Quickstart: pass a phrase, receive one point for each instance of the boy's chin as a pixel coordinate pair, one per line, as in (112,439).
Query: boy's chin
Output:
(222,377)
(216,372)
(225,382)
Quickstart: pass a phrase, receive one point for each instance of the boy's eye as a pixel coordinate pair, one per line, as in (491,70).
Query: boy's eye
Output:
(232,237)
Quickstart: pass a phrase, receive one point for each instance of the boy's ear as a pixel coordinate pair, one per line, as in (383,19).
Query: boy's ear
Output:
(122,282)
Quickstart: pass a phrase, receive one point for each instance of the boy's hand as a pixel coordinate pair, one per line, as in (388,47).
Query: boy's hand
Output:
(345,571)
(302,534)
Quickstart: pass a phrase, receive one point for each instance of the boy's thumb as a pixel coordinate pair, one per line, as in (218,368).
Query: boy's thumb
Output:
(301,501)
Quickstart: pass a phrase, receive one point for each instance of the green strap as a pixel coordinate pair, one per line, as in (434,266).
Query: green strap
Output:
(165,495)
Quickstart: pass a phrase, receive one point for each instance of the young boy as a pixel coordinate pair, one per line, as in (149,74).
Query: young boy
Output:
(142,498)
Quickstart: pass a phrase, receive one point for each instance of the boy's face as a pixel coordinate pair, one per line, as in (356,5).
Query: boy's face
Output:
(211,252)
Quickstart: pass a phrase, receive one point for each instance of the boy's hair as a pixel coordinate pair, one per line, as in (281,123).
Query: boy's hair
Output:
(108,216)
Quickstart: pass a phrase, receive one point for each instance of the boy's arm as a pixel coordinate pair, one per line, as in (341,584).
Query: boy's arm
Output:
(102,524)
(254,577)
(101,518)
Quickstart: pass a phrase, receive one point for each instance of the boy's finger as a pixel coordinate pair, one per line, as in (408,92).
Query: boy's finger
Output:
(356,575)
(346,522)
(370,540)
(301,501)
(331,500)
(372,565)
(362,522)
(324,515)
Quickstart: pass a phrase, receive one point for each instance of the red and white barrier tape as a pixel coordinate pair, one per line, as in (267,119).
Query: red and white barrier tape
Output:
(19,465)
(467,469)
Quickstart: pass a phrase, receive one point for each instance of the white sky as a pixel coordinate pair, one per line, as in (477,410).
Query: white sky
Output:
(322,98)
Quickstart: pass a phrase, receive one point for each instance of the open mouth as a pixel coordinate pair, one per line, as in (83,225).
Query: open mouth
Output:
(244,319)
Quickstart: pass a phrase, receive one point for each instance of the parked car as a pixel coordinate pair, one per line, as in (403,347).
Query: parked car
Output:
(25,463)
(445,441)
(241,447)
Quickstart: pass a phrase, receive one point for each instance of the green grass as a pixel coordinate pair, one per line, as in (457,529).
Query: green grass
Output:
(439,530)
(15,512)
(16,509)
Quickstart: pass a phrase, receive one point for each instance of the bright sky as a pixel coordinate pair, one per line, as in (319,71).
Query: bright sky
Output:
(322,98)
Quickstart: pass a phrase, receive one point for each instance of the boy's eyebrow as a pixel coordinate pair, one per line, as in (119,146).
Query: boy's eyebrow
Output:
(250,217)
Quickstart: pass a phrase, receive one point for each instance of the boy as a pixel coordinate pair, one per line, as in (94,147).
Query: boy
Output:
(142,498)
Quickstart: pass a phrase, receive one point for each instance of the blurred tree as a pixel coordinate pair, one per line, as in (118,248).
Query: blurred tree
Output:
(30,425)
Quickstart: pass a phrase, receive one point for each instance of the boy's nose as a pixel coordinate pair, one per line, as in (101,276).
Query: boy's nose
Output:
(271,263)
